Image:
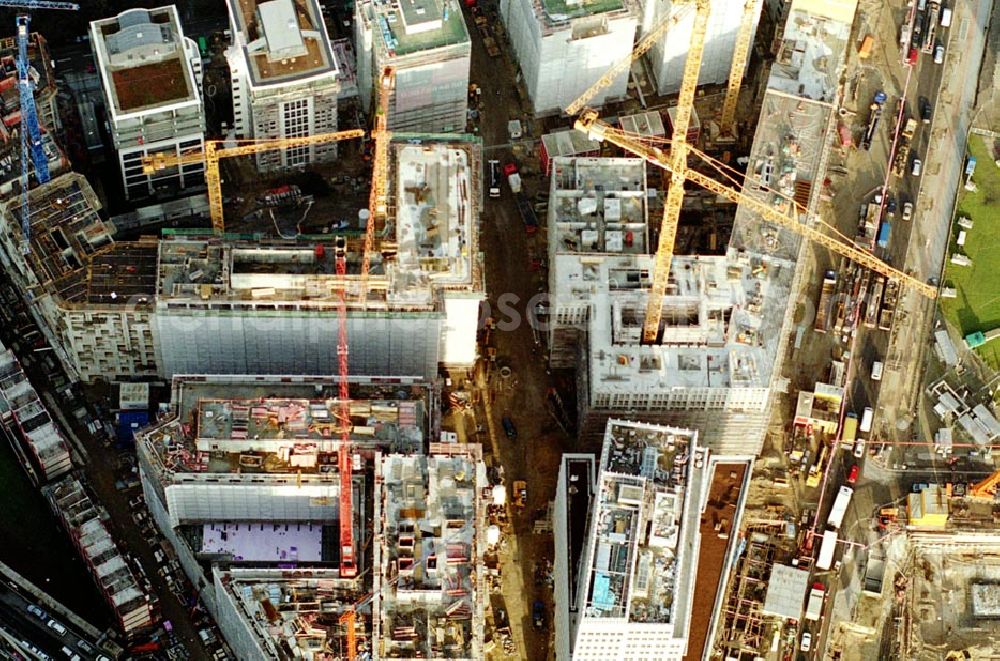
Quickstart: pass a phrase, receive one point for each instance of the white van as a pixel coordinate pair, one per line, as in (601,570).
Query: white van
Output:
(866,420)
(946,17)
(939,54)
(877,368)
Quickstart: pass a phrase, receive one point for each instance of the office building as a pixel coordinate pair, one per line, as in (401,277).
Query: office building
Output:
(152,97)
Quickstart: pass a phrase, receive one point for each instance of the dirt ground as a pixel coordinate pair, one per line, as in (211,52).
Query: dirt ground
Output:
(722,498)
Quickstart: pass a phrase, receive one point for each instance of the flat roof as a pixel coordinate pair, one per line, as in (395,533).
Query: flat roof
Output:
(282,41)
(264,542)
(414,27)
(562,10)
(260,426)
(812,51)
(32,416)
(640,525)
(436,215)
(786,591)
(143,60)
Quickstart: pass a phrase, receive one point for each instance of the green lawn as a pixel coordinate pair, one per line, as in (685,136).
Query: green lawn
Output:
(977,307)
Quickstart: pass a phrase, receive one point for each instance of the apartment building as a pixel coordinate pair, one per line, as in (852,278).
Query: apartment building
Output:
(150,80)
(428,47)
(285,78)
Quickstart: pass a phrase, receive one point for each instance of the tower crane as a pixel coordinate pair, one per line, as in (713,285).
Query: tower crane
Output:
(678,169)
(31,134)
(215,150)
(377,205)
(348,563)
(622,65)
(741,52)
(597,130)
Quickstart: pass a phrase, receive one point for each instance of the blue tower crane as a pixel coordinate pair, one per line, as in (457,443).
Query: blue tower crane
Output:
(31,134)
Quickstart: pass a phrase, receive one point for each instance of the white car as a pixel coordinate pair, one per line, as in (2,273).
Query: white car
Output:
(859,448)
(907,210)
(806,643)
(57,627)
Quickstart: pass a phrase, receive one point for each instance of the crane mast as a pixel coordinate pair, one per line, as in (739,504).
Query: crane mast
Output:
(678,169)
(215,150)
(377,206)
(741,51)
(348,564)
(31,133)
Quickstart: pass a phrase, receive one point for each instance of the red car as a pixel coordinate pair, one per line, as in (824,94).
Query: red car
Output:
(509,169)
(912,57)
(852,477)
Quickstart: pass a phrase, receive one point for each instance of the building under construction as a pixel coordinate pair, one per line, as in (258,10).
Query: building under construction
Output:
(229,306)
(119,578)
(428,568)
(34,436)
(668,55)
(563,47)
(284,77)
(427,45)
(45,91)
(712,364)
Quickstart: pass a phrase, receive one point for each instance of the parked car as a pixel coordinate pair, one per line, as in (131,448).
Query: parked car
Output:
(538,614)
(859,448)
(508,428)
(852,477)
(806,643)
(57,627)
(939,54)
(926,110)
(907,211)
(37,612)
(917,168)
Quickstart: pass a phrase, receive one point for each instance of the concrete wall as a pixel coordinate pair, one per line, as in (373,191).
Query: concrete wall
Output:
(668,56)
(296,343)
(558,67)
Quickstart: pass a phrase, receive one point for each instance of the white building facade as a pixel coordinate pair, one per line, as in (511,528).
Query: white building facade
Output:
(150,76)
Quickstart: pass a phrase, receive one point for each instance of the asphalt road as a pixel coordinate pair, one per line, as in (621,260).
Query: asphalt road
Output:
(27,627)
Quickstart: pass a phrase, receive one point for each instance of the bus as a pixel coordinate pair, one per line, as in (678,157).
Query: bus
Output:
(839,508)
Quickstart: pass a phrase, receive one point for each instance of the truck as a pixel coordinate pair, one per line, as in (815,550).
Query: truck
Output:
(902,158)
(814,607)
(930,22)
(825,301)
(494,178)
(849,430)
(889,301)
(883,234)
(520,493)
(874,302)
(527,213)
(839,508)
(874,115)
(909,127)
(865,50)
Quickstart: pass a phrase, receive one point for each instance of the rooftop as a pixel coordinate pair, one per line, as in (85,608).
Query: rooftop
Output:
(641,526)
(557,11)
(431,604)
(598,205)
(40,431)
(720,321)
(143,59)
(296,614)
(812,51)
(270,426)
(786,590)
(417,25)
(283,41)
(569,142)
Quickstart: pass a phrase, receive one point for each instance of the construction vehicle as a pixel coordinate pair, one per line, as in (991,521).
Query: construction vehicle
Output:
(825,301)
(520,493)
(889,301)
(527,212)
(874,115)
(215,151)
(31,132)
(814,607)
(909,128)
(930,23)
(874,303)
(986,489)
(816,470)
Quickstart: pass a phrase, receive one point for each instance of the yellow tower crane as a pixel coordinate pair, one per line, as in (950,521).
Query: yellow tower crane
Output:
(600,131)
(624,64)
(741,51)
(215,151)
(678,169)
(377,205)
